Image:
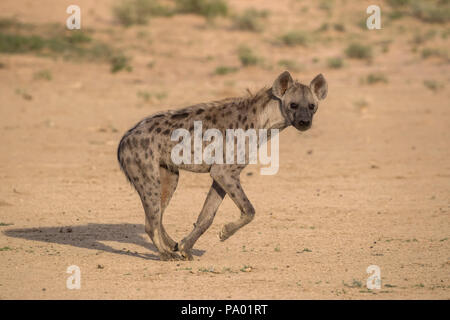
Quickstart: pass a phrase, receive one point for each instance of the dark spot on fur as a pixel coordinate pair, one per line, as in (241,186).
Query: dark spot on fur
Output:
(208,117)
(245,119)
(166,132)
(200,111)
(145,143)
(158,130)
(134,142)
(180,115)
(254,110)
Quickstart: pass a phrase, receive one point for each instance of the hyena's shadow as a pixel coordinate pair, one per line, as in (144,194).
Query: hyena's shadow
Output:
(90,236)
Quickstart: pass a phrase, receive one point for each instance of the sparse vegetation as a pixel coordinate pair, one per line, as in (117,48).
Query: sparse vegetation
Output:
(210,9)
(435,52)
(361,104)
(246,268)
(355,284)
(421,38)
(431,11)
(222,70)
(335,63)
(247,57)
(250,20)
(131,12)
(359,51)
(377,77)
(147,96)
(295,38)
(120,62)
(42,75)
(75,45)
(24,94)
(326,5)
(433,85)
(339,27)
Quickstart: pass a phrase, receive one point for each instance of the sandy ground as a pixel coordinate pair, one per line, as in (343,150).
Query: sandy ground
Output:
(367,185)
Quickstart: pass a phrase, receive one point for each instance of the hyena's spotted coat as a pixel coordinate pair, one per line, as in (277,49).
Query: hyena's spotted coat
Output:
(144,154)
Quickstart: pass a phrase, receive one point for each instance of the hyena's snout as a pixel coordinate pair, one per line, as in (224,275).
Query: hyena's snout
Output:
(303,119)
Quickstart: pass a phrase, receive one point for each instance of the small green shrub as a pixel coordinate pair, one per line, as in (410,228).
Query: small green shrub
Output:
(14,43)
(43,75)
(335,63)
(433,85)
(339,27)
(431,11)
(210,9)
(295,38)
(373,78)
(435,52)
(120,62)
(247,57)
(358,51)
(250,20)
(138,12)
(222,70)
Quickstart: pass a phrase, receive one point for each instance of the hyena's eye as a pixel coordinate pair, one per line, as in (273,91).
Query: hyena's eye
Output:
(311,106)
(294,105)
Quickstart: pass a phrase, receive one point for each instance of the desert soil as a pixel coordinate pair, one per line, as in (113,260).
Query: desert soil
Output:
(369,184)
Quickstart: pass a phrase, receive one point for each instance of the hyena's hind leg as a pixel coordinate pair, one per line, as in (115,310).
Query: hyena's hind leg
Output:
(148,185)
(169,182)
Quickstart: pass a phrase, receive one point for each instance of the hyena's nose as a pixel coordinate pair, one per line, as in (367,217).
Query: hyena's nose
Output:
(304,123)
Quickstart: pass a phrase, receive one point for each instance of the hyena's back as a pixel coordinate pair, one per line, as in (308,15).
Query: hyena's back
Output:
(148,144)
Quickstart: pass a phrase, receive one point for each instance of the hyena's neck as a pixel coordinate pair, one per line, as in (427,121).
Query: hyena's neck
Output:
(269,116)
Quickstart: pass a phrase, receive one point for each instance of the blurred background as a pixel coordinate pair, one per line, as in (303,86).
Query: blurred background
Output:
(368,184)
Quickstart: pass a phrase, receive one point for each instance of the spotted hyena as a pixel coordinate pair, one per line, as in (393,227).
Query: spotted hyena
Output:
(145,151)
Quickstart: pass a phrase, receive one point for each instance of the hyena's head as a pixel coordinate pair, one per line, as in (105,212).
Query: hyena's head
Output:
(299,102)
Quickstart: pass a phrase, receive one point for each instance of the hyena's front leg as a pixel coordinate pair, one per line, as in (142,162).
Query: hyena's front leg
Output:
(228,178)
(204,220)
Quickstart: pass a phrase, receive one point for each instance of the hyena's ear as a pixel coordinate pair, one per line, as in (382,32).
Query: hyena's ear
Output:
(319,86)
(281,84)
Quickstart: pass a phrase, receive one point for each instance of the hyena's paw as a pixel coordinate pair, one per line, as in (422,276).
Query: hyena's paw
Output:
(187,255)
(185,251)
(169,256)
(225,233)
